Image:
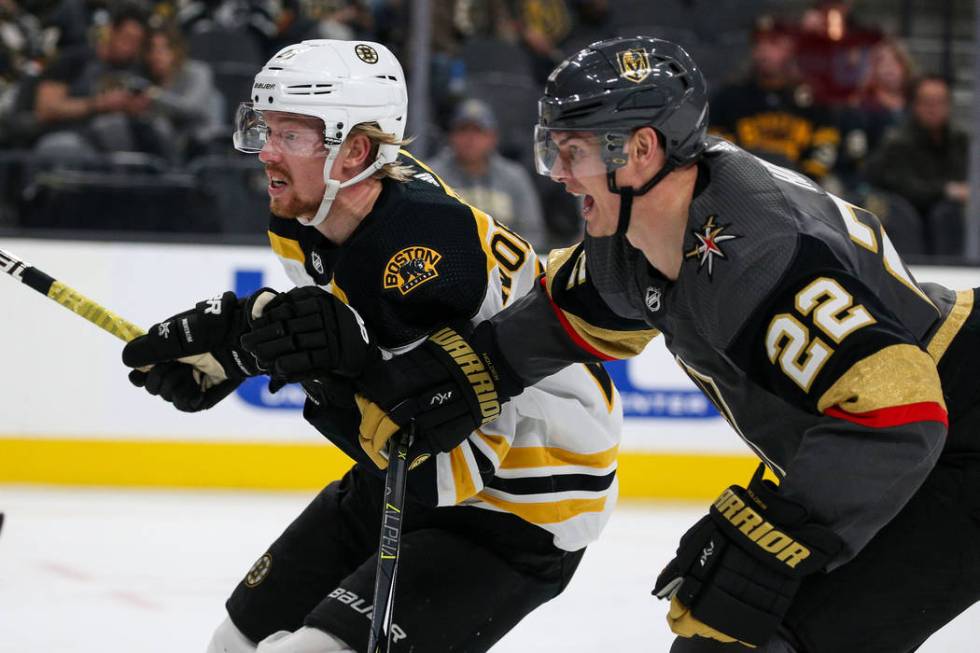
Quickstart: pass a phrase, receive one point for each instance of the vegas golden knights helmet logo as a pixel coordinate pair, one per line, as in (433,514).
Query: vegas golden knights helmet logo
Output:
(634,65)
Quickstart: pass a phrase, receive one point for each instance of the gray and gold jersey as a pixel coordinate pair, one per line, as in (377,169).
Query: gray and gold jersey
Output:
(794,314)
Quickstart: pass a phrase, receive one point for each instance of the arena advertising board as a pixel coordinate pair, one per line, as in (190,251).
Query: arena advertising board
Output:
(63,378)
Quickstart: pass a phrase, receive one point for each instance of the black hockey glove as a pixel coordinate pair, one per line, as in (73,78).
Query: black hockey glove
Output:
(307,333)
(332,410)
(738,569)
(196,356)
(450,385)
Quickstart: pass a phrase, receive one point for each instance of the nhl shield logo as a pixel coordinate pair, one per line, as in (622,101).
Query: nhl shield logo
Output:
(634,65)
(410,268)
(653,299)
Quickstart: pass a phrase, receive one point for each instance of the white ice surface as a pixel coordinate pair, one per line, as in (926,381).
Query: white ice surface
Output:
(110,571)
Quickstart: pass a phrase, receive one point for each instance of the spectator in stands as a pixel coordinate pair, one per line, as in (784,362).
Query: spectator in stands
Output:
(542,26)
(771,113)
(926,162)
(875,109)
(97,97)
(832,51)
(186,105)
(20,51)
(472,166)
(450,22)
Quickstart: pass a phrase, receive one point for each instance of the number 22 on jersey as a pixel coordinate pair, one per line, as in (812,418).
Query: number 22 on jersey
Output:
(788,341)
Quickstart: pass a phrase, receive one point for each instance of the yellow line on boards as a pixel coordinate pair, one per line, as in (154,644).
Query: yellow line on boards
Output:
(170,464)
(162,463)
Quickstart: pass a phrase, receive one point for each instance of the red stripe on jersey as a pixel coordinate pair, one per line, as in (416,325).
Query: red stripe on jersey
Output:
(926,411)
(570,330)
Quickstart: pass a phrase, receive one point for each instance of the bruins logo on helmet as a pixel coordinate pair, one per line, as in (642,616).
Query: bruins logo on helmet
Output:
(634,65)
(410,268)
(259,571)
(366,53)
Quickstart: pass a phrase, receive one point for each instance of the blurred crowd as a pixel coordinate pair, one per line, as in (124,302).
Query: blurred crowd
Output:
(117,116)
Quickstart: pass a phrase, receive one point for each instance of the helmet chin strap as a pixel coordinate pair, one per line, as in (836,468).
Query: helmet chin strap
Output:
(627,194)
(334,186)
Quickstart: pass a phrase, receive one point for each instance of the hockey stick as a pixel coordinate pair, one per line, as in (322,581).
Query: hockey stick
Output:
(68,297)
(390,543)
(94,312)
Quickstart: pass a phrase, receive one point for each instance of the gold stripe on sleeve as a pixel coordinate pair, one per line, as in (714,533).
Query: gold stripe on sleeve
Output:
(530,457)
(483,228)
(895,376)
(951,325)
(615,344)
(286,247)
(462,479)
(558,258)
(338,292)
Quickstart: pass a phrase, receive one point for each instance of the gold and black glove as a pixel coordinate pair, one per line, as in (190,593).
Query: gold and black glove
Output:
(449,385)
(738,569)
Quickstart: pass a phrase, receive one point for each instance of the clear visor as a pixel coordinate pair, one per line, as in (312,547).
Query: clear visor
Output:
(559,153)
(289,133)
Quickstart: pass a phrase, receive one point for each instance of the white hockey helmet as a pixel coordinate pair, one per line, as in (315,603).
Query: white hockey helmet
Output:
(344,83)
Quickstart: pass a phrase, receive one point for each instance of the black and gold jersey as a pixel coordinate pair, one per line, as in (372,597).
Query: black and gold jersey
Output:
(795,315)
(782,125)
(423,258)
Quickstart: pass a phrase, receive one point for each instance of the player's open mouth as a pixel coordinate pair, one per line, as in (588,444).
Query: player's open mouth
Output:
(277,185)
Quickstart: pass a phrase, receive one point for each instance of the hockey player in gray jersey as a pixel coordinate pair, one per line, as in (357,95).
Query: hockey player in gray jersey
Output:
(790,308)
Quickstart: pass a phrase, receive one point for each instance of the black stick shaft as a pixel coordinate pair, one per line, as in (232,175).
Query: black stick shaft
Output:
(389,546)
(68,297)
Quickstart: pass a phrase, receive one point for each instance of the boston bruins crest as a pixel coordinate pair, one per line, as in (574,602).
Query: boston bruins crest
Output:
(259,571)
(410,268)
(366,53)
(634,65)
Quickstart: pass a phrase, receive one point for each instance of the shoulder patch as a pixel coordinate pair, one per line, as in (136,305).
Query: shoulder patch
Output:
(410,268)
(707,244)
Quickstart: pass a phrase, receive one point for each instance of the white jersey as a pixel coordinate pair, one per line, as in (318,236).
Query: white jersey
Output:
(422,259)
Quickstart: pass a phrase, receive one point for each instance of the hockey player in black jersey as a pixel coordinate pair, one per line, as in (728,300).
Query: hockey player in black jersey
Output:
(384,255)
(855,385)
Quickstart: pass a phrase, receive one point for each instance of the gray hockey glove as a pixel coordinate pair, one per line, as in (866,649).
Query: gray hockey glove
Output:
(738,569)
(195,358)
(307,333)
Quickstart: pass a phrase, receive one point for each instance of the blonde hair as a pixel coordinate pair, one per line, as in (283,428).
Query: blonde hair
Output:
(394,170)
